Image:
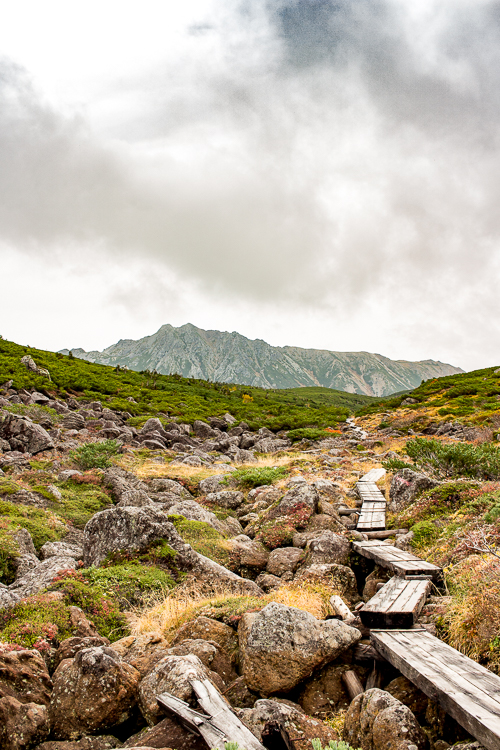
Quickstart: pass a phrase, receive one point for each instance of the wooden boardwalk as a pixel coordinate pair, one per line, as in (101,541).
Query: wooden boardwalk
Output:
(396,560)
(372,516)
(464,689)
(397,604)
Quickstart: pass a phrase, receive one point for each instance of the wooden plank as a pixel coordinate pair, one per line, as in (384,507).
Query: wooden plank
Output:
(385,534)
(352,683)
(373,475)
(396,560)
(465,689)
(396,605)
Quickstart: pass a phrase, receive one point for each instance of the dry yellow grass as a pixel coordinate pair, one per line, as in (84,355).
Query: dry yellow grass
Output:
(187,602)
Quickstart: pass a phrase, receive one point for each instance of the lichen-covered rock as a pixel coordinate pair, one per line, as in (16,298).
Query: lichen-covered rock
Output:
(22,725)
(40,577)
(119,481)
(73,421)
(226,498)
(284,560)
(405,486)
(339,576)
(210,630)
(162,484)
(61,549)
(327,547)
(268,582)
(98,671)
(406,692)
(142,651)
(24,676)
(215,483)
(24,435)
(248,554)
(303,494)
(193,511)
(280,646)
(69,648)
(173,674)
(376,720)
(302,728)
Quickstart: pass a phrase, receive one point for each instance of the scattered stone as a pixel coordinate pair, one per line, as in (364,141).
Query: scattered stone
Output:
(24,435)
(226,498)
(22,725)
(284,560)
(24,676)
(405,486)
(327,547)
(210,630)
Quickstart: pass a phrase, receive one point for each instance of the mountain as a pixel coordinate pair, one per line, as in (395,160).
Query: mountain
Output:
(232,358)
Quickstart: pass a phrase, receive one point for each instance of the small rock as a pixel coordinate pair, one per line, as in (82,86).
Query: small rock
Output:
(22,725)
(284,560)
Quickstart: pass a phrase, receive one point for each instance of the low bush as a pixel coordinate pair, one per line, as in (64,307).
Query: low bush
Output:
(279,532)
(96,455)
(455,459)
(258,476)
(308,433)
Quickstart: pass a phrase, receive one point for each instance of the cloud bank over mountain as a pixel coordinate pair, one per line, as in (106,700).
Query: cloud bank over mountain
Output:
(324,168)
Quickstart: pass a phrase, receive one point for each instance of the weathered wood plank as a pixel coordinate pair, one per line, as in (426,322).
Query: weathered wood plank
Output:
(352,683)
(466,690)
(373,475)
(396,560)
(396,605)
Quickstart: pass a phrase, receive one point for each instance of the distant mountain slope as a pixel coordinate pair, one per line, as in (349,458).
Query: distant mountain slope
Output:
(231,358)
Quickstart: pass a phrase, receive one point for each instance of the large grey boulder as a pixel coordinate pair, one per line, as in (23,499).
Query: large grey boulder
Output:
(271,445)
(327,547)
(280,646)
(284,560)
(73,421)
(215,483)
(405,486)
(24,435)
(226,498)
(61,549)
(193,511)
(376,720)
(135,529)
(120,481)
(302,494)
(163,484)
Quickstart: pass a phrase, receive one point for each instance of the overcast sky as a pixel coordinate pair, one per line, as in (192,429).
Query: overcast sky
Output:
(319,173)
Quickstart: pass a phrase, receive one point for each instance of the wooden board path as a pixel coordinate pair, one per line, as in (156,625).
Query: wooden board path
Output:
(372,516)
(396,560)
(465,690)
(397,604)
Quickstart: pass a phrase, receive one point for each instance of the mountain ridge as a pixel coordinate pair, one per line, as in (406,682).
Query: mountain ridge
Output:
(230,357)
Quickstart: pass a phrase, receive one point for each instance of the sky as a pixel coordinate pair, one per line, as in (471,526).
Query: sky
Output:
(315,173)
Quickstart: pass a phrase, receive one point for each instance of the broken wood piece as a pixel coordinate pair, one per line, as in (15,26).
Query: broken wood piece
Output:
(340,608)
(363,653)
(385,533)
(397,604)
(218,725)
(352,683)
(396,560)
(374,678)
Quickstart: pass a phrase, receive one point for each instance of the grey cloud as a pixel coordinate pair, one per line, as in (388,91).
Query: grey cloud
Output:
(332,155)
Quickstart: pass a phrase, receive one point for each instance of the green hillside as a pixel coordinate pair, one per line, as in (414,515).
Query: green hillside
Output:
(175,396)
(472,397)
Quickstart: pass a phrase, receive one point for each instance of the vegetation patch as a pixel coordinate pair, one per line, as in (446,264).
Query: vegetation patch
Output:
(257,477)
(455,459)
(308,433)
(36,622)
(80,502)
(204,539)
(279,532)
(43,525)
(9,552)
(96,455)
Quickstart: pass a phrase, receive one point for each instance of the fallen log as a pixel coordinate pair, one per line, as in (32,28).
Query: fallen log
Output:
(353,684)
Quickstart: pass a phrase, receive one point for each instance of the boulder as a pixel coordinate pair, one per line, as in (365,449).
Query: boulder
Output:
(302,494)
(22,725)
(120,481)
(171,675)
(142,652)
(340,577)
(24,435)
(248,555)
(98,671)
(268,582)
(210,630)
(271,445)
(302,728)
(24,542)
(226,498)
(73,421)
(406,692)
(284,560)
(61,549)
(203,430)
(210,655)
(405,486)
(280,646)
(152,425)
(69,648)
(215,483)
(324,691)
(169,733)
(24,676)
(163,484)
(327,547)
(375,720)
(42,576)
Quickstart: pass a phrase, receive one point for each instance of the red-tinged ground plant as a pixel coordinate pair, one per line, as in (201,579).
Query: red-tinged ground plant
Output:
(278,532)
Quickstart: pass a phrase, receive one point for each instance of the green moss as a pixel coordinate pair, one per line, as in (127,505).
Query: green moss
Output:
(8,487)
(424,534)
(35,620)
(43,525)
(130,583)
(203,539)
(9,552)
(80,502)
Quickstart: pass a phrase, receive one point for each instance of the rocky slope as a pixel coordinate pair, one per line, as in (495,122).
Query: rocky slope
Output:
(80,546)
(231,358)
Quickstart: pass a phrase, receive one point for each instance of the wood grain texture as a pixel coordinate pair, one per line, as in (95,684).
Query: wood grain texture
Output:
(396,605)
(396,560)
(465,689)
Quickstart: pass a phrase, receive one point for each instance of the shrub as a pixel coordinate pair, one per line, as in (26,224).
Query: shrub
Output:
(96,455)
(393,465)
(455,459)
(308,433)
(250,478)
(424,533)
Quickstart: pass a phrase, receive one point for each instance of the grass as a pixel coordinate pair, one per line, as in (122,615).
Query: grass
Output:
(189,602)
(43,525)
(36,623)
(96,455)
